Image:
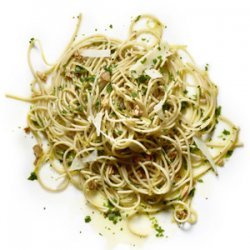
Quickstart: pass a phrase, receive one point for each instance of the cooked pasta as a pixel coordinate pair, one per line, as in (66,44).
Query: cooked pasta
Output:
(129,123)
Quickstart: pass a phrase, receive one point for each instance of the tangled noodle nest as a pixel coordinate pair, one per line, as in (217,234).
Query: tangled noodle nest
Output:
(130,123)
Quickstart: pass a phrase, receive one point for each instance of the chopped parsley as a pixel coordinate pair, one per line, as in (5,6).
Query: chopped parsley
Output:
(218,111)
(90,79)
(160,58)
(165,106)
(118,132)
(109,205)
(108,69)
(111,26)
(162,70)
(143,91)
(137,18)
(225,132)
(143,79)
(184,105)
(134,94)
(206,67)
(185,91)
(79,108)
(154,61)
(144,60)
(97,104)
(109,88)
(200,180)
(79,69)
(31,40)
(87,79)
(32,176)
(87,219)
(159,230)
(229,153)
(191,193)
(112,214)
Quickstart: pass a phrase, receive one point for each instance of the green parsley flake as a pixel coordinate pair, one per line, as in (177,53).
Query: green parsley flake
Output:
(159,230)
(114,216)
(143,79)
(97,104)
(134,94)
(109,88)
(87,219)
(165,106)
(144,60)
(87,79)
(79,69)
(118,132)
(111,26)
(191,193)
(79,108)
(229,153)
(31,40)
(226,132)
(218,111)
(206,67)
(32,176)
(108,69)
(184,105)
(137,18)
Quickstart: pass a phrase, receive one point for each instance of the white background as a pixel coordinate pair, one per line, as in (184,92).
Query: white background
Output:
(216,32)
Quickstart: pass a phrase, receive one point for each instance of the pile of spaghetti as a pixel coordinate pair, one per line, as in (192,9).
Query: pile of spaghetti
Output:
(130,123)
